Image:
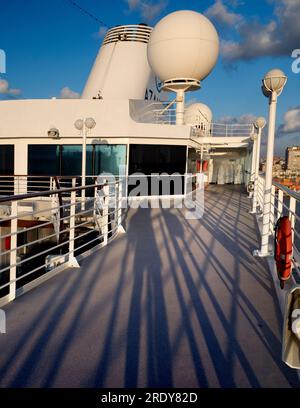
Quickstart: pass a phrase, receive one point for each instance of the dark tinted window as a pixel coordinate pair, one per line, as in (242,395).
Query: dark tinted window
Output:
(43,160)
(6,168)
(157,159)
(71,160)
(6,159)
(149,159)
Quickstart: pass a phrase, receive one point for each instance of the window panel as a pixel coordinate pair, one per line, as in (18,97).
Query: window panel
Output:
(6,159)
(43,160)
(109,158)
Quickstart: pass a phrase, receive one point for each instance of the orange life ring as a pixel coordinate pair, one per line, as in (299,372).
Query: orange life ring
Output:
(205,165)
(283,249)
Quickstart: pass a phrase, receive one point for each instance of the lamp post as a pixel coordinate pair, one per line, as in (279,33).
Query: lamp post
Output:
(273,84)
(259,124)
(84,126)
(253,159)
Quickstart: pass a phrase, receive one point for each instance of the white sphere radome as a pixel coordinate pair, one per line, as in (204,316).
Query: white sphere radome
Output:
(184,44)
(197,113)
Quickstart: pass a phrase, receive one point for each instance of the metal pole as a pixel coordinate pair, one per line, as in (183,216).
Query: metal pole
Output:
(256,171)
(253,161)
(180,107)
(201,161)
(72,260)
(264,251)
(13,250)
(83,170)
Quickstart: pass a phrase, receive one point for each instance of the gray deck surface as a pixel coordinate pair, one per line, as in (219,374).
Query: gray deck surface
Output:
(170,303)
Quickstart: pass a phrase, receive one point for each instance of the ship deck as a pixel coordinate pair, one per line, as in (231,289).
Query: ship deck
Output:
(173,303)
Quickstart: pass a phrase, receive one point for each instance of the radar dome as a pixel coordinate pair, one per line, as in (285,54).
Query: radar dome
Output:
(197,114)
(184,44)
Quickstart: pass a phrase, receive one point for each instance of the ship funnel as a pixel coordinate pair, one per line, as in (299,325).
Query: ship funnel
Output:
(121,69)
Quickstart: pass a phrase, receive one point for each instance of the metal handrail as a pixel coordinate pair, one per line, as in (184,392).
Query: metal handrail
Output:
(73,227)
(48,193)
(277,207)
(288,191)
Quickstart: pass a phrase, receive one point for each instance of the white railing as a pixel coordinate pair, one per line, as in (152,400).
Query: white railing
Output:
(222,130)
(154,112)
(45,227)
(22,184)
(283,202)
(44,232)
(165,113)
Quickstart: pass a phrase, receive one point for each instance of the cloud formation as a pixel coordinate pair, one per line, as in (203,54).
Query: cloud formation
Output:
(6,90)
(291,121)
(67,93)
(276,38)
(246,119)
(220,13)
(148,9)
(102,31)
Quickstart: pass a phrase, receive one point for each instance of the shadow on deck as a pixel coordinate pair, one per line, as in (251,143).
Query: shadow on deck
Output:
(171,303)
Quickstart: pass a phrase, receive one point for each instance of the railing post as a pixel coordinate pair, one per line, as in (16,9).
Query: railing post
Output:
(260,188)
(13,250)
(119,203)
(292,212)
(72,260)
(105,213)
(272,210)
(280,203)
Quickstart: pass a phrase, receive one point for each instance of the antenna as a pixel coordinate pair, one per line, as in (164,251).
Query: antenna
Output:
(182,51)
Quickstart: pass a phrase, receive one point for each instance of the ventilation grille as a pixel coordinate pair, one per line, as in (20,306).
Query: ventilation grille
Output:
(138,33)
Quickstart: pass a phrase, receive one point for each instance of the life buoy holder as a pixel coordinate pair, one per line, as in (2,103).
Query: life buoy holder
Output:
(283,249)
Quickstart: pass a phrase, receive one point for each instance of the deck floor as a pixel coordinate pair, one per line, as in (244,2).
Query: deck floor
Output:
(171,303)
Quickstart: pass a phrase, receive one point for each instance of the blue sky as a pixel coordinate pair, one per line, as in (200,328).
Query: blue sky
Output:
(51,45)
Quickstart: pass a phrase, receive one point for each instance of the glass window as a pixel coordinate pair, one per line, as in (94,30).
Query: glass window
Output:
(6,168)
(43,160)
(109,158)
(157,159)
(149,159)
(71,160)
(6,159)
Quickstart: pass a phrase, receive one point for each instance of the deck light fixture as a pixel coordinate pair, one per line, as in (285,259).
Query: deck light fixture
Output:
(54,133)
(84,126)
(272,86)
(79,124)
(90,123)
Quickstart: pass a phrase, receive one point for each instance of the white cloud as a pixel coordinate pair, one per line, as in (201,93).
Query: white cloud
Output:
(291,121)
(220,13)
(148,9)
(133,4)
(276,38)
(246,119)
(6,90)
(67,93)
(102,31)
